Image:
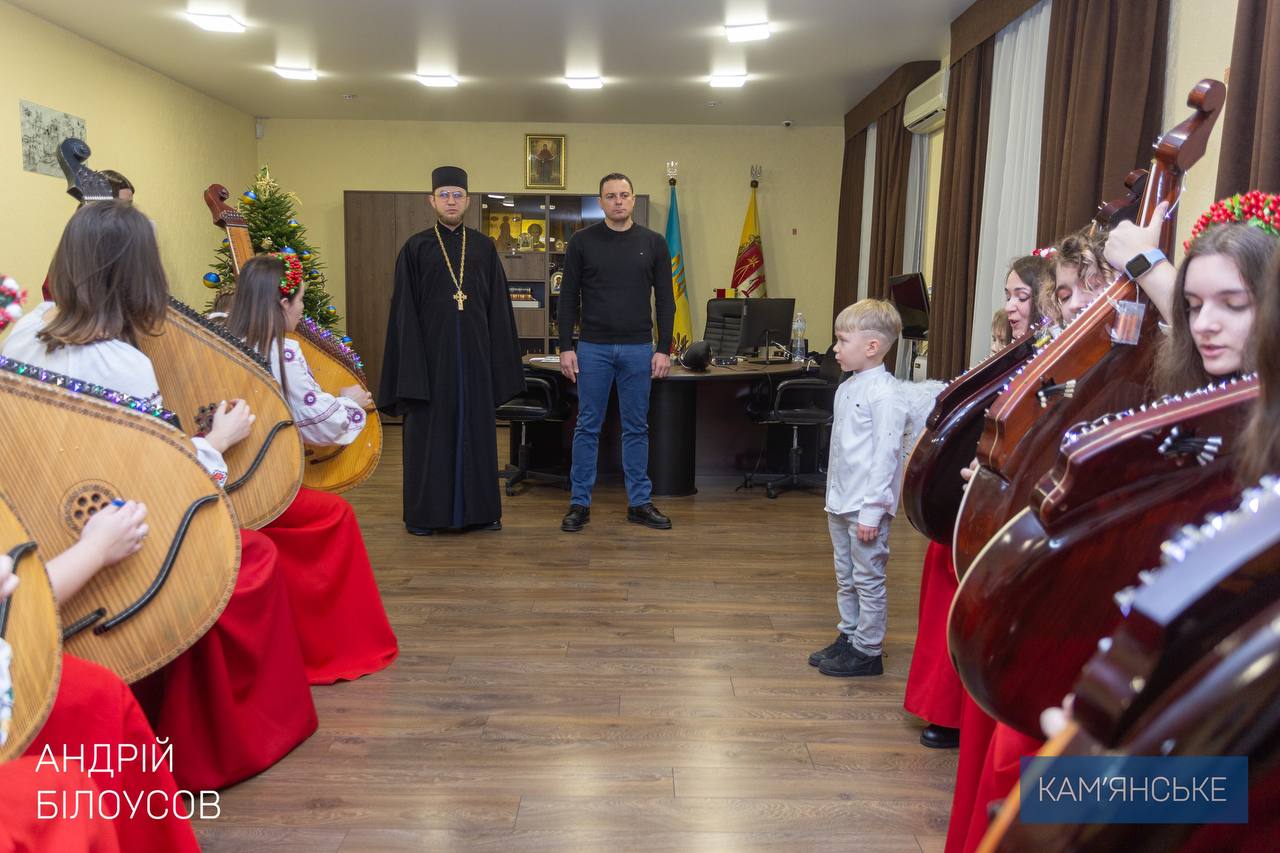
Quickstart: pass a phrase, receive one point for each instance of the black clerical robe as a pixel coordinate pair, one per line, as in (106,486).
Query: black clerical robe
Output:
(446,371)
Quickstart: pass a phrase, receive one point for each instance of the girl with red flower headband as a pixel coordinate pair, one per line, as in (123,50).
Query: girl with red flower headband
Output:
(1209,301)
(336,604)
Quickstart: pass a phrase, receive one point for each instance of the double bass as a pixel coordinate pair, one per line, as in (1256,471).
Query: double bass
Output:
(334,365)
(1060,573)
(932,488)
(1193,669)
(195,360)
(29,624)
(1082,374)
(99,446)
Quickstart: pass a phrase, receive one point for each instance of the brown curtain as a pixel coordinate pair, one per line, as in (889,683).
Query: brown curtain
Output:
(1103,97)
(888,200)
(888,207)
(849,221)
(955,253)
(1251,127)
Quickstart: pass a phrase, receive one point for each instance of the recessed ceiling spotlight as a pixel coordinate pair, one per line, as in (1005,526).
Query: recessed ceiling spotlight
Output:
(216,23)
(747,32)
(349,97)
(711,105)
(584,82)
(296,73)
(728,81)
(438,81)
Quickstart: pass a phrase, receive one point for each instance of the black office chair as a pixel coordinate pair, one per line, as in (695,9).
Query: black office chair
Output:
(808,401)
(541,401)
(723,329)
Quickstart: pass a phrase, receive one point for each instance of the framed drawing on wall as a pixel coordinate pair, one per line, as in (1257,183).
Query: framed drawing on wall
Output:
(544,158)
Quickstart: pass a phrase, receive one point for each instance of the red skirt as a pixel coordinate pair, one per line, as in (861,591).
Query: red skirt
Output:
(976,731)
(934,692)
(1000,771)
(93,707)
(237,701)
(21,829)
(337,609)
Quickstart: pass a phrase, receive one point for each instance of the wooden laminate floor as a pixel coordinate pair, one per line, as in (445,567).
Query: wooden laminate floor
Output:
(618,689)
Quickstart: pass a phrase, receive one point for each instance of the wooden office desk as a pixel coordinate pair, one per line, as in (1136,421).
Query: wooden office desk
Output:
(688,404)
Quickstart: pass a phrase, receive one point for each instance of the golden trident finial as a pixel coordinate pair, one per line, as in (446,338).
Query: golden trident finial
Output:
(756,172)
(673,169)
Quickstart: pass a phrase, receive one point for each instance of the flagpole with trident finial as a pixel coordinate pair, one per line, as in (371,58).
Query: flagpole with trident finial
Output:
(672,172)
(756,172)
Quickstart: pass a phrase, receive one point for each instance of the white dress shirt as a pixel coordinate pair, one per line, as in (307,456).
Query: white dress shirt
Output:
(112,364)
(864,472)
(322,418)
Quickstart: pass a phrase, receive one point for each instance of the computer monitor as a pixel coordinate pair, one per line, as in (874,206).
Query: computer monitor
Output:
(764,322)
(912,301)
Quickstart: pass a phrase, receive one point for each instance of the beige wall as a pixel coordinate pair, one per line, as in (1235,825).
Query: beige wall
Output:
(1200,35)
(170,140)
(319,159)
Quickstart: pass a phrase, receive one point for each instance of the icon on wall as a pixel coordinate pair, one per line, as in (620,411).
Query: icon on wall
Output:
(544,162)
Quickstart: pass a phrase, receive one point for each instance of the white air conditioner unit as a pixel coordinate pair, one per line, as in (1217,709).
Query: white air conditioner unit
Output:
(926,107)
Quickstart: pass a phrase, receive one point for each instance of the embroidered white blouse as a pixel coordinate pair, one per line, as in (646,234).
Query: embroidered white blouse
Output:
(113,364)
(322,418)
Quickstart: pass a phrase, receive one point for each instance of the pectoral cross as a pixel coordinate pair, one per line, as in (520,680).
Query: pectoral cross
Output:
(459,297)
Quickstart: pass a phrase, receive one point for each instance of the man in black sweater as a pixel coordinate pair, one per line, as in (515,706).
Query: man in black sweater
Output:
(611,268)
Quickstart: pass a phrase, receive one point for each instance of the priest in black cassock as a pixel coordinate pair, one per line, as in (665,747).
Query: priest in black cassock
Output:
(452,357)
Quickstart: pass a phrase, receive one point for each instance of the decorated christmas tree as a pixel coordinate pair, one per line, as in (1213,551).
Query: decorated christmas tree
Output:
(270,214)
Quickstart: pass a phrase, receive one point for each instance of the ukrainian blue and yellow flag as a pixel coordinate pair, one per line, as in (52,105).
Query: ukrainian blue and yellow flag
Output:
(682,333)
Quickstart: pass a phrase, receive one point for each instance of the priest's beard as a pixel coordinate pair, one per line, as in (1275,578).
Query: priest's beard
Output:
(450,221)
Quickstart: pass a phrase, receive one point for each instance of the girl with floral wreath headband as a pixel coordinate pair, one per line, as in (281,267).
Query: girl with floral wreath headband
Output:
(1209,302)
(338,610)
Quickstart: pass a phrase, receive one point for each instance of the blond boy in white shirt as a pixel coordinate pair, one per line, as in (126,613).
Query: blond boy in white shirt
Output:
(864,475)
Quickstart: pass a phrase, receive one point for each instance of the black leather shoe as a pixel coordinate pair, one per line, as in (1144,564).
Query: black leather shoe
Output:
(493,525)
(649,516)
(852,662)
(940,737)
(832,651)
(576,518)
(419,531)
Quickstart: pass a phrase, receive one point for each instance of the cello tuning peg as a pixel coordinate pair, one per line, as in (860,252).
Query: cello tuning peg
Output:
(1124,599)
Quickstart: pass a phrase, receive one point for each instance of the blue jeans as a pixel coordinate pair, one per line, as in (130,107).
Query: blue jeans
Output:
(599,367)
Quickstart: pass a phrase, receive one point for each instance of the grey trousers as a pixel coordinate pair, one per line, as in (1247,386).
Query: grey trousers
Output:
(860,570)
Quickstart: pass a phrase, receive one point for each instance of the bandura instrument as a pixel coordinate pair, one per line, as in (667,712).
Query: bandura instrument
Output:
(932,488)
(333,364)
(197,365)
(1193,669)
(1053,582)
(29,624)
(98,446)
(1082,374)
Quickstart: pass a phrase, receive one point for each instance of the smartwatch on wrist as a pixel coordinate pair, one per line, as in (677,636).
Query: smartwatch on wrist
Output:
(1138,265)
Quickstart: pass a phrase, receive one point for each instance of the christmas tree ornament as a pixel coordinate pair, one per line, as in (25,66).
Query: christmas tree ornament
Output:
(11,299)
(249,197)
(212,280)
(293,223)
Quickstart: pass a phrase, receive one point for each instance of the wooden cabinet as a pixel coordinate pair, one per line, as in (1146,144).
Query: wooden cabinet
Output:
(531,247)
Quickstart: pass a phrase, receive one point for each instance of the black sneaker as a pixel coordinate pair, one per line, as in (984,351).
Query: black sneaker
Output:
(576,518)
(852,662)
(419,531)
(649,516)
(832,651)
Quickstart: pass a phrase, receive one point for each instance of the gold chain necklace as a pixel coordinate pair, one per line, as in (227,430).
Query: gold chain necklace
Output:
(458,296)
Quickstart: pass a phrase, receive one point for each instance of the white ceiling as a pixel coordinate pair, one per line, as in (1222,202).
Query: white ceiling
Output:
(654,55)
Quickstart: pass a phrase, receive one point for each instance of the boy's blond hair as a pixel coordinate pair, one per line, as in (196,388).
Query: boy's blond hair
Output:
(871,315)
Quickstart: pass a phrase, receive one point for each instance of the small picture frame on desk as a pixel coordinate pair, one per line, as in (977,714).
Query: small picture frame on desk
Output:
(544,161)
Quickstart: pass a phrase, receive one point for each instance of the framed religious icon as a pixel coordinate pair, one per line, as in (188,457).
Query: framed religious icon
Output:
(544,161)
